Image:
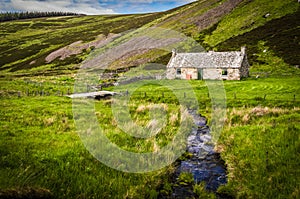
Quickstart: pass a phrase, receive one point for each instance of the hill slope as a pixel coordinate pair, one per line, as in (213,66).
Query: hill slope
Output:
(57,45)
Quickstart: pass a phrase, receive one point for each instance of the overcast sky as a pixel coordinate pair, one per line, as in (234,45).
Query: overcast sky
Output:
(93,7)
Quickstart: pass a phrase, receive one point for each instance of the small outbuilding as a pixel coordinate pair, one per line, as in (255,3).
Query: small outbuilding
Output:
(231,65)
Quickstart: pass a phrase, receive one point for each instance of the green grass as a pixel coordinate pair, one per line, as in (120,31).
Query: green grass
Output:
(40,147)
(261,147)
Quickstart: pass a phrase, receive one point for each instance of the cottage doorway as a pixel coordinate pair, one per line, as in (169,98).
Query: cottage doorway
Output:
(188,76)
(200,73)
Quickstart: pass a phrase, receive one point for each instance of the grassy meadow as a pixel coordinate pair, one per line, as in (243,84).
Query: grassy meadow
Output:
(40,148)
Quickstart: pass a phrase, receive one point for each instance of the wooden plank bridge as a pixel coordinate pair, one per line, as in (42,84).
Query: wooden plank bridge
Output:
(95,95)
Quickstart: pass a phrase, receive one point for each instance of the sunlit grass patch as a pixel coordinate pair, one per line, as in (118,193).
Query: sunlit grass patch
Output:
(261,152)
(40,148)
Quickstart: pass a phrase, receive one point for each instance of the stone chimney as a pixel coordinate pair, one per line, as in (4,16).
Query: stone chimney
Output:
(243,50)
(174,52)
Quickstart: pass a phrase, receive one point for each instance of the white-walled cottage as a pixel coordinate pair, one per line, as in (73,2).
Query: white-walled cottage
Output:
(208,65)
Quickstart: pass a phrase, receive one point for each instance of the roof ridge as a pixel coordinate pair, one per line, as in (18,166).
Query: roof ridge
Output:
(227,59)
(210,52)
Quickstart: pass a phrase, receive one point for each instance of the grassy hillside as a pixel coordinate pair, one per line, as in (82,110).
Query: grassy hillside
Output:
(34,39)
(215,24)
(250,15)
(281,36)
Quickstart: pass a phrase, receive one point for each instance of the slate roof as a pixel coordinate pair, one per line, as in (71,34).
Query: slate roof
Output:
(210,59)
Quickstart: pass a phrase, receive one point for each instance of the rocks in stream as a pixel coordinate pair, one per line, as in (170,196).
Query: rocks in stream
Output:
(210,169)
(205,164)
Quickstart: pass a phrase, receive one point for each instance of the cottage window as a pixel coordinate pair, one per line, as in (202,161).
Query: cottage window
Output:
(224,72)
(178,71)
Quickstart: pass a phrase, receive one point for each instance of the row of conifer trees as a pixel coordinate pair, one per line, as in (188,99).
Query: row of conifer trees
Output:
(9,16)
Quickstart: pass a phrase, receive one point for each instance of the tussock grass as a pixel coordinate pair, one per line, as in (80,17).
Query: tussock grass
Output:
(40,148)
(261,152)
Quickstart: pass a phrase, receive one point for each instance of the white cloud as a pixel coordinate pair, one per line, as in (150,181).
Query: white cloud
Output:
(142,6)
(80,6)
(92,7)
(151,1)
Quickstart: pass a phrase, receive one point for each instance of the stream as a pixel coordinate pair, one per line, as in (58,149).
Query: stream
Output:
(205,164)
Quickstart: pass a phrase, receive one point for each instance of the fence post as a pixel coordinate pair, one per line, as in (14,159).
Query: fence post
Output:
(19,93)
(267,160)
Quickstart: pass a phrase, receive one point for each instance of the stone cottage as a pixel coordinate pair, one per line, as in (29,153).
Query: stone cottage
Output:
(208,65)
